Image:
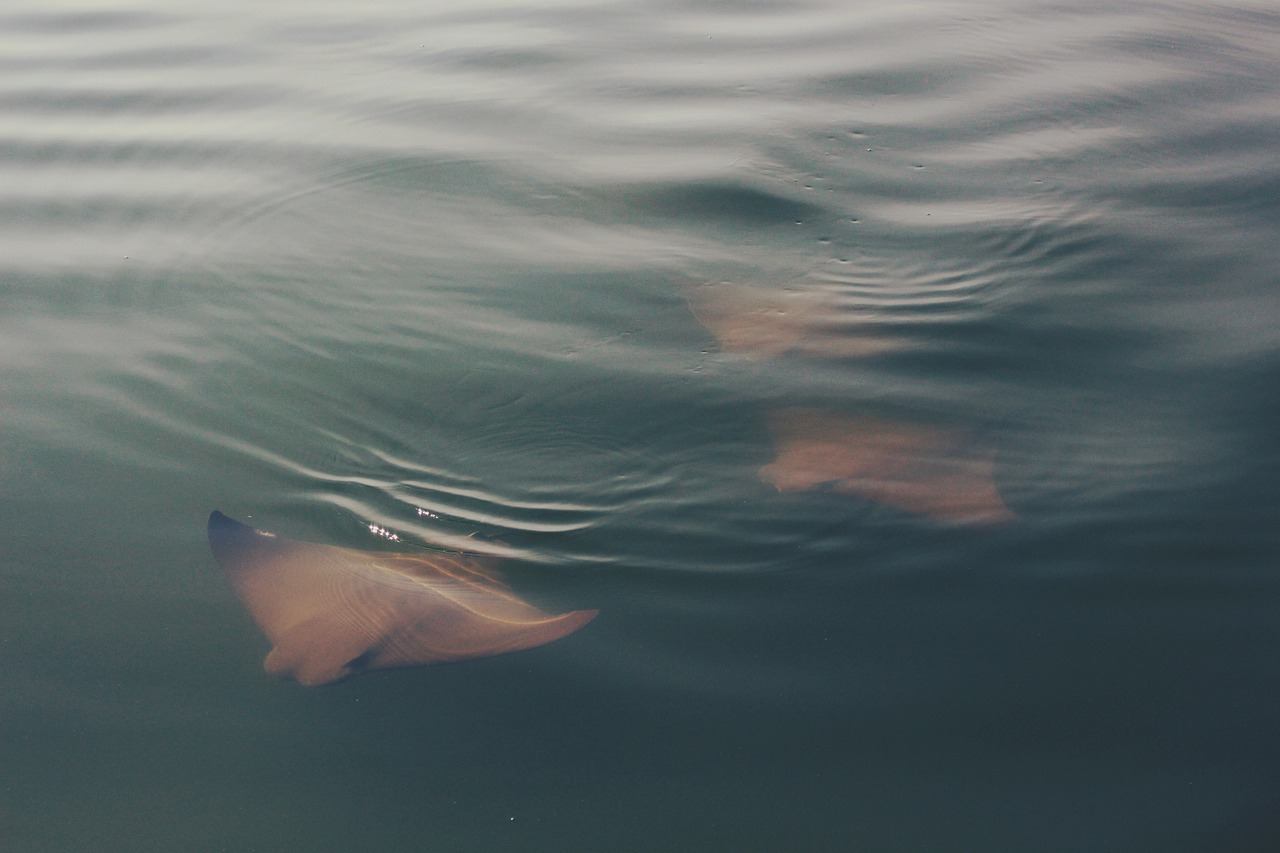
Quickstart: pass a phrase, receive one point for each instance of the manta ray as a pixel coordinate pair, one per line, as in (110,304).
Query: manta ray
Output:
(332,612)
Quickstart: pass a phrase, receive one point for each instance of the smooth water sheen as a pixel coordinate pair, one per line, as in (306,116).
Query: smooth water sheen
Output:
(358,270)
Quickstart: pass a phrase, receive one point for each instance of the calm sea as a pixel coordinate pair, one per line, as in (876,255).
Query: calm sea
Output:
(899,380)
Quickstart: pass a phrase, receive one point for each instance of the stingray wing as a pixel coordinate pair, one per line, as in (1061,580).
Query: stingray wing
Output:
(332,612)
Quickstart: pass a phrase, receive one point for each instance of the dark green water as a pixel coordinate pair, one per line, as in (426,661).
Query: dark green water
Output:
(430,267)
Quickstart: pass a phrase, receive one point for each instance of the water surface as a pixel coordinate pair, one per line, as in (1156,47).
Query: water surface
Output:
(437,271)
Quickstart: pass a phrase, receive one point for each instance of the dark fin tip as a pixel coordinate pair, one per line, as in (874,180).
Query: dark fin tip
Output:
(360,662)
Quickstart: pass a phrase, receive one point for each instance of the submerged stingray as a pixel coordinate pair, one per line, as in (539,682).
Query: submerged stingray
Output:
(333,612)
(925,470)
(759,322)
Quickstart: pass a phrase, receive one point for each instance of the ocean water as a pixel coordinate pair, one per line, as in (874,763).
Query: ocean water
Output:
(899,381)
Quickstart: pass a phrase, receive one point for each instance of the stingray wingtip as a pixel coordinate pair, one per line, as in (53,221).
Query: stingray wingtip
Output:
(575,620)
(228,537)
(219,522)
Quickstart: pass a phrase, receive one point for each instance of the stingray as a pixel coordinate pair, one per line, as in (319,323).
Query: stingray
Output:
(332,612)
(761,322)
(930,471)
